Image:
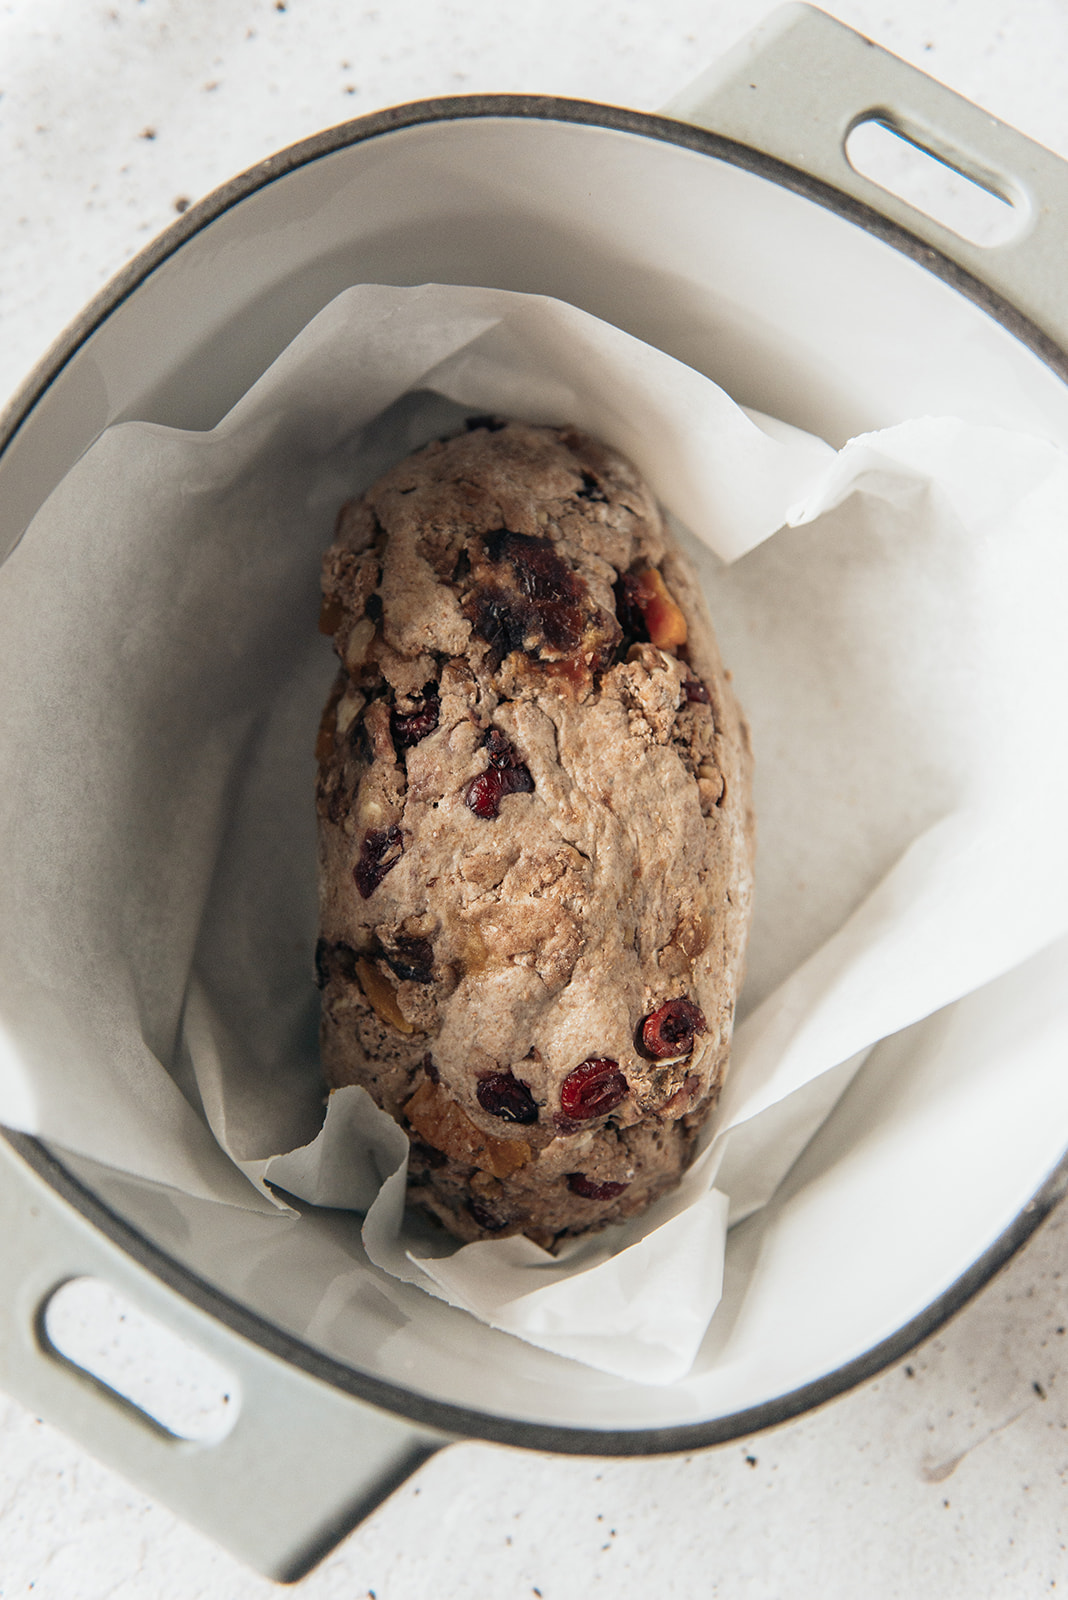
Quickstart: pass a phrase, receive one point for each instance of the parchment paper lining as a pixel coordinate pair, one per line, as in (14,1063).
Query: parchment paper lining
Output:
(893,618)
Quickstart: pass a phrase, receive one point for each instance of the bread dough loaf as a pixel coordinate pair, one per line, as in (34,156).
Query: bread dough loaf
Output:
(535,832)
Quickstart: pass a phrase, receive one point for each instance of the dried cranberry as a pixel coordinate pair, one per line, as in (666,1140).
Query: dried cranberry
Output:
(669,1030)
(695,690)
(592,1090)
(408,728)
(500,751)
(498,621)
(413,959)
(541,573)
(379,854)
(578,1183)
(533,598)
(485,793)
(506,1097)
(629,614)
(485,1218)
(505,774)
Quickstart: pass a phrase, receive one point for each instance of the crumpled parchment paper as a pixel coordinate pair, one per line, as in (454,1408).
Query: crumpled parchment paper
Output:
(892,614)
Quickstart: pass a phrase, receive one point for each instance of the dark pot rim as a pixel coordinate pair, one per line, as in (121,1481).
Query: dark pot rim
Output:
(445,1416)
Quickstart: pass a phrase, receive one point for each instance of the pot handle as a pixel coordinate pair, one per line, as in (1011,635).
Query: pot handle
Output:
(797,86)
(303,1462)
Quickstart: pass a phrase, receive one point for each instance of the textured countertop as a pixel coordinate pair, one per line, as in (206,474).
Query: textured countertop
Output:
(944,1477)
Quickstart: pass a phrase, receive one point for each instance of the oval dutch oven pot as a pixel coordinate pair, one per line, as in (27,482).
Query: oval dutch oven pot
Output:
(733,233)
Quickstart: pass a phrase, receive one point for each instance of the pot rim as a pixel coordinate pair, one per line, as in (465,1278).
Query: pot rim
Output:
(539,108)
(447,1416)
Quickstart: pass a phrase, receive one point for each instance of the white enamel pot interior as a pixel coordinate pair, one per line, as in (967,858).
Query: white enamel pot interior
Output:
(800,302)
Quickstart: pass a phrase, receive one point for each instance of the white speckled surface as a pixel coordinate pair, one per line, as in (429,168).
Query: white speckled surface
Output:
(945,1477)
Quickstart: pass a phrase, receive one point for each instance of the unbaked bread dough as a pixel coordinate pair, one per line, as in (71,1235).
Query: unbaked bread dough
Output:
(535,832)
